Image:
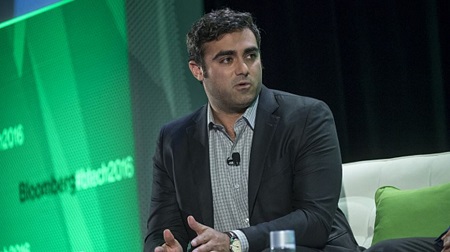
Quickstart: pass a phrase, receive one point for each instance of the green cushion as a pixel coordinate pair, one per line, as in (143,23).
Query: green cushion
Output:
(420,212)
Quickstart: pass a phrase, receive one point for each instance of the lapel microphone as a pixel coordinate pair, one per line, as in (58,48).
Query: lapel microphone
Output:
(235,159)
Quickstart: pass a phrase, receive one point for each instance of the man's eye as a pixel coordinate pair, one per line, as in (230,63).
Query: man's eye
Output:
(252,56)
(226,60)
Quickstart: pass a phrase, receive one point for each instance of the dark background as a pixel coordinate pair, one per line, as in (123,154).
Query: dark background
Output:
(382,67)
(6,9)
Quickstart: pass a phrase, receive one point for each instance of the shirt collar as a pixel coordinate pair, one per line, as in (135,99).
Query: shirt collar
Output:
(249,114)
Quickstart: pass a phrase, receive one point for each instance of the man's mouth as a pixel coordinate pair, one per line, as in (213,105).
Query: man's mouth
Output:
(244,84)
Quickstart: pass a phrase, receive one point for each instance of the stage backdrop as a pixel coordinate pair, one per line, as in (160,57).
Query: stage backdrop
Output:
(84,88)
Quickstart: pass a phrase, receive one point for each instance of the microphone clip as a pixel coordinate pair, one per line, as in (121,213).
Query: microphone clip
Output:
(234,160)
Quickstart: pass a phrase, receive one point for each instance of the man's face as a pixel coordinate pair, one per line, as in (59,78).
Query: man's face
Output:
(233,71)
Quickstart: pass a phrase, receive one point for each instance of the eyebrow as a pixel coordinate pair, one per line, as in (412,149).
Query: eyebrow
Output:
(224,53)
(251,50)
(233,52)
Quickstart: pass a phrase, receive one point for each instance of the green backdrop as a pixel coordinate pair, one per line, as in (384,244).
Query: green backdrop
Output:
(72,106)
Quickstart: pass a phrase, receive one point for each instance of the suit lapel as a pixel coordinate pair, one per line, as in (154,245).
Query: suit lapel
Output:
(265,125)
(198,150)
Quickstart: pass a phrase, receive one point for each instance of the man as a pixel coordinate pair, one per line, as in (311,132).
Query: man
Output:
(444,241)
(414,244)
(251,161)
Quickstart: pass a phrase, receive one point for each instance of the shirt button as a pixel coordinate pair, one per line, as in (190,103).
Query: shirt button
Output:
(236,186)
(247,221)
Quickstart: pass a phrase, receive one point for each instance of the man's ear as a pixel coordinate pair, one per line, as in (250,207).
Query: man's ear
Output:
(196,70)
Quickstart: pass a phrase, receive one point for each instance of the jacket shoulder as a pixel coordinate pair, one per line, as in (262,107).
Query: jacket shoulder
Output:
(296,103)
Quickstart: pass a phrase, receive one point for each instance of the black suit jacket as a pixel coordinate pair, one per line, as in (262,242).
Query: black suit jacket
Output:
(294,176)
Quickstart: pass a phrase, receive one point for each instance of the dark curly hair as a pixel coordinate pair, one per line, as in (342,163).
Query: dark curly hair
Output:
(215,24)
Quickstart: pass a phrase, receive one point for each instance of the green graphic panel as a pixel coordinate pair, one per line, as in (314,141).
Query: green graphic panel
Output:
(66,134)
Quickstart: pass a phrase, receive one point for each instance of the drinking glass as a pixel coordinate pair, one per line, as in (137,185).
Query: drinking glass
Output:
(282,241)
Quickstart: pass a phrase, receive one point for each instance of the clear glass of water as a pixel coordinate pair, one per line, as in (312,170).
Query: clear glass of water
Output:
(282,241)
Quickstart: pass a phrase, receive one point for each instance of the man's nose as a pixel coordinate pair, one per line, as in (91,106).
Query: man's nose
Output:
(242,68)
